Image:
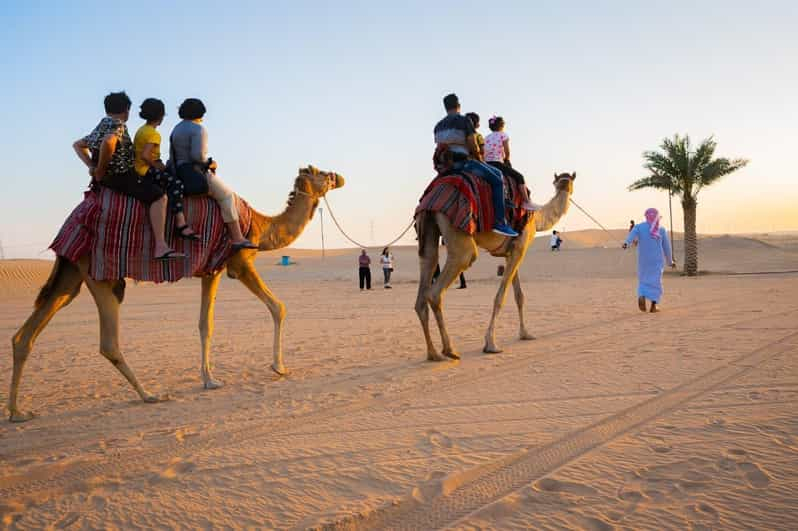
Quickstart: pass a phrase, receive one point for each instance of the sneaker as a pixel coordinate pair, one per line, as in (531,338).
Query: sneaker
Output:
(505,230)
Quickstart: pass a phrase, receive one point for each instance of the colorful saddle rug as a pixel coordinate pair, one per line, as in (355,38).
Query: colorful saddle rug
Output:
(114,231)
(467,201)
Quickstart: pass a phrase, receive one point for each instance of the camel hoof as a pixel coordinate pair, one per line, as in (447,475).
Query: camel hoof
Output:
(280,370)
(17,416)
(213,384)
(527,337)
(491,350)
(434,356)
(452,355)
(150,399)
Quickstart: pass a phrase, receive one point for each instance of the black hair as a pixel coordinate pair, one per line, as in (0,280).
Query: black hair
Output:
(385,252)
(191,109)
(496,123)
(152,109)
(450,102)
(116,103)
(474,117)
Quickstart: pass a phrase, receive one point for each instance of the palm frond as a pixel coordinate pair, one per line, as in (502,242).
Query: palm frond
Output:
(658,182)
(718,168)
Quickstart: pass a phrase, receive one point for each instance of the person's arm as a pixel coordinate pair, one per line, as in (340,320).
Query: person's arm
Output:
(147,156)
(199,145)
(506,144)
(473,147)
(81,148)
(630,237)
(106,152)
(666,247)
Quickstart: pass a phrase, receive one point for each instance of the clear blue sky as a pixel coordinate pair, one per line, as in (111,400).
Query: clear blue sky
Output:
(356,87)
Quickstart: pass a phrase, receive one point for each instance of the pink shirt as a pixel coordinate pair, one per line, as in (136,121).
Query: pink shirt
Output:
(364,260)
(494,146)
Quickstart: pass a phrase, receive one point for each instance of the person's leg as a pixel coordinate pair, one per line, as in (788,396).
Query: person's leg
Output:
(462,281)
(157,212)
(368,278)
(225,197)
(495,179)
(176,194)
(362,277)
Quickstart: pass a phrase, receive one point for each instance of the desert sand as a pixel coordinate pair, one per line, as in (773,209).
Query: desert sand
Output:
(611,419)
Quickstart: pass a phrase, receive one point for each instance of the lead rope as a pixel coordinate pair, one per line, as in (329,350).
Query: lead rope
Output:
(335,221)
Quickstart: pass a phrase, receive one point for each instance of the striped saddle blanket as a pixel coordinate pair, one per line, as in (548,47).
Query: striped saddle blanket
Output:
(467,201)
(114,231)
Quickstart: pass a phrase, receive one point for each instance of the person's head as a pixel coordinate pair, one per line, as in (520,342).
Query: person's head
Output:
(363,252)
(191,109)
(451,103)
(474,117)
(152,110)
(385,252)
(496,123)
(117,104)
(554,232)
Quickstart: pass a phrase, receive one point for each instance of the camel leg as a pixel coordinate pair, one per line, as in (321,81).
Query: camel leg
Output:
(65,287)
(428,260)
(513,261)
(250,278)
(108,310)
(461,251)
(209,286)
(519,301)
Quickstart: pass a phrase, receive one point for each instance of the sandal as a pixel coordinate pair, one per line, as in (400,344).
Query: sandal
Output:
(246,244)
(181,233)
(169,255)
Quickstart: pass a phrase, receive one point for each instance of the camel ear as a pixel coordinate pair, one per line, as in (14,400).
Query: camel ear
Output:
(573,176)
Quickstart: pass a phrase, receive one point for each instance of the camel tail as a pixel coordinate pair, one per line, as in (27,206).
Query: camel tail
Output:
(60,268)
(426,229)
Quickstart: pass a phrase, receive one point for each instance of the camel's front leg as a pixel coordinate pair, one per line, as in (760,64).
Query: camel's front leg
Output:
(108,310)
(513,261)
(209,286)
(250,278)
(519,301)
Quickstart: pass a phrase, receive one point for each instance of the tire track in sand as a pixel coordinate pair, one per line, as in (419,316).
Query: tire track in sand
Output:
(450,501)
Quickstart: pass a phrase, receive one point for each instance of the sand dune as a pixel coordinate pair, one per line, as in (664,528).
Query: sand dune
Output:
(611,419)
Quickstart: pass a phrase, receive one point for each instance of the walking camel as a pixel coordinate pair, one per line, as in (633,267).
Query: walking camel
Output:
(66,278)
(461,252)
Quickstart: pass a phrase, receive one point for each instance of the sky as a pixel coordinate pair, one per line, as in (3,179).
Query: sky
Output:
(356,88)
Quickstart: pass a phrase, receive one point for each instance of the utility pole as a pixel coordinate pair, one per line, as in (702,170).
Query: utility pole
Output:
(670,209)
(371,223)
(321,218)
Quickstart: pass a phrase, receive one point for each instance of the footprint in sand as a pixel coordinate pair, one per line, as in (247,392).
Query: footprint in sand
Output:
(439,440)
(176,468)
(755,476)
(553,485)
(590,523)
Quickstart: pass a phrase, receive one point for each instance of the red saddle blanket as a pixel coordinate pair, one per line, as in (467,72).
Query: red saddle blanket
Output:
(114,231)
(467,201)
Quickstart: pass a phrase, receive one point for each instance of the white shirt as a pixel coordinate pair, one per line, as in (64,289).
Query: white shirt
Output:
(554,238)
(386,261)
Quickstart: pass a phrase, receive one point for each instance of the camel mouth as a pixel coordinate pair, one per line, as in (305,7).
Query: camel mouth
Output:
(338,181)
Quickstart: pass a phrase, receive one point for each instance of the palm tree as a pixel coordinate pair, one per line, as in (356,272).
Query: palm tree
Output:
(684,172)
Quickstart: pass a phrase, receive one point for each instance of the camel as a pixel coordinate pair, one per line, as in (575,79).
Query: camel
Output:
(269,233)
(461,252)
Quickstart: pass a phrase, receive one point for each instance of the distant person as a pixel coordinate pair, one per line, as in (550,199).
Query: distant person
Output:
(108,153)
(364,270)
(386,261)
(556,241)
(653,251)
(474,117)
(189,150)
(632,226)
(497,154)
(438,273)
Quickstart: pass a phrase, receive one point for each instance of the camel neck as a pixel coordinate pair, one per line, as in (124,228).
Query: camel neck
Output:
(281,230)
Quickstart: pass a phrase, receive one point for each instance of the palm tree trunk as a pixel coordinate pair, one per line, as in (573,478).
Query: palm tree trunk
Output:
(690,238)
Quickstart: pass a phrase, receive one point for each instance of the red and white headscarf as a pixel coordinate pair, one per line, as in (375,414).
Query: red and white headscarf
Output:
(653,217)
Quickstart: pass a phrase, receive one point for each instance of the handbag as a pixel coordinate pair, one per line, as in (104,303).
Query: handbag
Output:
(195,181)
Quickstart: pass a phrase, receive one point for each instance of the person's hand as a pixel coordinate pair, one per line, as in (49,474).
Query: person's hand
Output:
(213,165)
(673,264)
(92,169)
(624,246)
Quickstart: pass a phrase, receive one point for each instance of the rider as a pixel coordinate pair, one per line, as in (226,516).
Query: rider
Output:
(497,154)
(108,152)
(457,133)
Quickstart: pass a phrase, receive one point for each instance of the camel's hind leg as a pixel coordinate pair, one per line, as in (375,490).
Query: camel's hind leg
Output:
(461,251)
(427,262)
(61,288)
(108,309)
(519,301)
(246,273)
(209,286)
(513,262)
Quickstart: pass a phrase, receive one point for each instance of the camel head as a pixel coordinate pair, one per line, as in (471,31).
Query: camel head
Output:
(316,182)
(564,182)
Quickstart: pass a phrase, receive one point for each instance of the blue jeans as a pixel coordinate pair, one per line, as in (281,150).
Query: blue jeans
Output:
(494,177)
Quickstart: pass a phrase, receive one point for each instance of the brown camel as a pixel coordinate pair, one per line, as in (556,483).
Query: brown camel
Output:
(461,252)
(66,279)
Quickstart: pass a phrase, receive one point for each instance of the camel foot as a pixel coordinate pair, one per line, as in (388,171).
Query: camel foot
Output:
(452,354)
(150,399)
(280,370)
(492,349)
(434,356)
(18,416)
(210,383)
(526,336)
